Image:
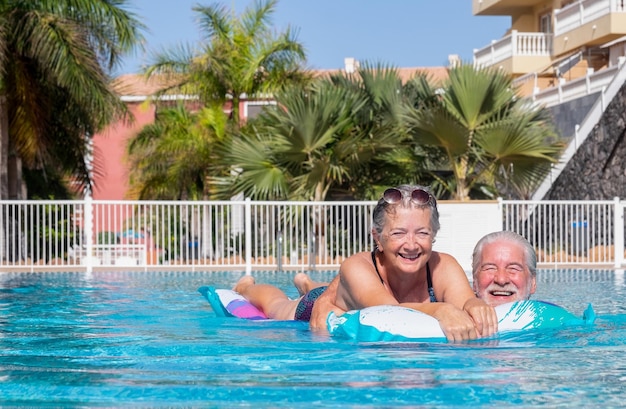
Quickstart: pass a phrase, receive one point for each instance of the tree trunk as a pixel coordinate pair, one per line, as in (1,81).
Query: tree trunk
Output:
(4,149)
(462,192)
(17,188)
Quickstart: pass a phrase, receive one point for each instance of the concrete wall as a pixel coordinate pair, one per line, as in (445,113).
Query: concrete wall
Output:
(569,114)
(463,224)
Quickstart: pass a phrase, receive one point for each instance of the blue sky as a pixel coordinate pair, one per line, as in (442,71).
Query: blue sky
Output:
(402,33)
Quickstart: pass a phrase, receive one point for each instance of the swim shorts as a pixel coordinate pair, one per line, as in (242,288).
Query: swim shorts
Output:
(305,306)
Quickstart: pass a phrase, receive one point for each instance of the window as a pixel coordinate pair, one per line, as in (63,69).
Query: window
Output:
(545,23)
(253,108)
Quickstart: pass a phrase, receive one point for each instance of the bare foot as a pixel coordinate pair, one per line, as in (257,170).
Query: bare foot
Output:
(303,283)
(243,283)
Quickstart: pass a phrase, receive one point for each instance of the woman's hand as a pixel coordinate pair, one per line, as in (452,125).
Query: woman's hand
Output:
(484,317)
(455,323)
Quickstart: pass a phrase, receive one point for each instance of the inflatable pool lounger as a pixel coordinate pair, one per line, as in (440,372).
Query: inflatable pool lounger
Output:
(400,324)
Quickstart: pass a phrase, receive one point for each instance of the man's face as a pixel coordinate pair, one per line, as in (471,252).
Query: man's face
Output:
(503,275)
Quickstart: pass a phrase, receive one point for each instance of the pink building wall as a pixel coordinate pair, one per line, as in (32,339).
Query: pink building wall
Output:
(111,179)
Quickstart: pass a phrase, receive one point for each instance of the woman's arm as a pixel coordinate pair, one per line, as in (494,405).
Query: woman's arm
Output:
(360,285)
(356,286)
(452,286)
(324,304)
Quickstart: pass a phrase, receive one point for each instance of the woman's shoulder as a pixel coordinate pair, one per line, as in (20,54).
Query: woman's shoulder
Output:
(363,256)
(356,264)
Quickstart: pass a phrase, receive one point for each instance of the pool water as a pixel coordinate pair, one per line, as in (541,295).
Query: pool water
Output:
(113,339)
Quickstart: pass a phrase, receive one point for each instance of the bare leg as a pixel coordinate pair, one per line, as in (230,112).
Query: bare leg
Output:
(243,283)
(269,299)
(304,284)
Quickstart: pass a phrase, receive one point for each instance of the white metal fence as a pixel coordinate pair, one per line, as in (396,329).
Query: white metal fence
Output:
(570,232)
(247,235)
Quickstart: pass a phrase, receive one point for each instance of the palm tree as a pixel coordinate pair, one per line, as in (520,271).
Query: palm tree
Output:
(54,93)
(171,158)
(339,135)
(385,155)
(299,148)
(488,134)
(241,59)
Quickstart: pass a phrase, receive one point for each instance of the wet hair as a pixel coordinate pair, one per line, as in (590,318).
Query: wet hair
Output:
(530,256)
(384,208)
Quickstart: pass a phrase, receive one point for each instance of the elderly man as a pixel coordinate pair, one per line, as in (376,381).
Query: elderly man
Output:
(504,267)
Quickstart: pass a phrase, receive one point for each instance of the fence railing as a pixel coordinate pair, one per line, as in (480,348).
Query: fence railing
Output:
(247,235)
(577,232)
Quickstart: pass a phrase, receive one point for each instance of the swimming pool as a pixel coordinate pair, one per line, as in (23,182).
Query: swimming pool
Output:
(150,339)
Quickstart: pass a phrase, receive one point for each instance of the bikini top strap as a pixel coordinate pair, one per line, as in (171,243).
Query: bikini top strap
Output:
(429,280)
(376,266)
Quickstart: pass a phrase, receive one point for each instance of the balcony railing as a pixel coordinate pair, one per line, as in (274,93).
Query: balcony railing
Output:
(514,44)
(593,82)
(582,12)
(220,235)
(566,19)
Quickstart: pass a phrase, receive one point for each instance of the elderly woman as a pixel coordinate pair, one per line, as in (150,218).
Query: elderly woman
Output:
(404,270)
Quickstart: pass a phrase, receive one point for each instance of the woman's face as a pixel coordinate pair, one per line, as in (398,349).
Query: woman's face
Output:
(407,238)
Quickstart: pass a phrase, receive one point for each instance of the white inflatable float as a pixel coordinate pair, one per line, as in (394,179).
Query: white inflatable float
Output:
(399,324)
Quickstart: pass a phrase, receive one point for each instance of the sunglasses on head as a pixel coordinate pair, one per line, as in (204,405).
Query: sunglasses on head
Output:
(418,196)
